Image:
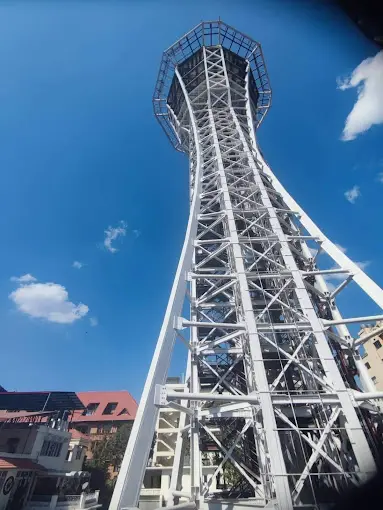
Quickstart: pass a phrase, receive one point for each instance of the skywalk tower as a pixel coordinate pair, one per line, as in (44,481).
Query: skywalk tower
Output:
(270,396)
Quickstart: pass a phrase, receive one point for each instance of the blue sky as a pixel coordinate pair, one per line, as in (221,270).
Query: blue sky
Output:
(81,152)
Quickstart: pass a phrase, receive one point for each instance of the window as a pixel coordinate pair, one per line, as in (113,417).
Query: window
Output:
(79,453)
(378,344)
(373,379)
(12,444)
(124,411)
(51,449)
(110,408)
(69,455)
(368,365)
(91,409)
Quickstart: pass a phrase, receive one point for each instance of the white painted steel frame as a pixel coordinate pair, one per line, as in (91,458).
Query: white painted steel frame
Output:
(253,376)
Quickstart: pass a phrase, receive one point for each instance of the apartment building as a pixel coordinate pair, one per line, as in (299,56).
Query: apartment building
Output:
(373,355)
(35,451)
(104,413)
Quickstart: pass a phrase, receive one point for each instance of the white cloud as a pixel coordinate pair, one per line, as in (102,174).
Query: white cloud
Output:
(136,233)
(368,109)
(331,278)
(330,285)
(380,177)
(341,248)
(77,265)
(363,265)
(352,194)
(47,301)
(112,233)
(26,278)
(93,321)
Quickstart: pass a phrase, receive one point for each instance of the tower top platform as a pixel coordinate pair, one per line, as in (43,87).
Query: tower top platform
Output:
(210,34)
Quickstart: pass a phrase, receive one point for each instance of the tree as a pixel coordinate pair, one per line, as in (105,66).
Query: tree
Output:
(109,451)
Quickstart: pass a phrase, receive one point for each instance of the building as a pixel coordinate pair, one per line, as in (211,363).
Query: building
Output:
(373,355)
(104,413)
(79,445)
(271,363)
(39,460)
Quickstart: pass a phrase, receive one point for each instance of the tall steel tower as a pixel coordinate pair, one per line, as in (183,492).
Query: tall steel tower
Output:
(270,385)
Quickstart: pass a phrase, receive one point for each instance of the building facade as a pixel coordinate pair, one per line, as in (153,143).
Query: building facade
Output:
(39,460)
(105,412)
(373,355)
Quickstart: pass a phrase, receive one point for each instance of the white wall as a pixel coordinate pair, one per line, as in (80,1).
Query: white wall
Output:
(48,434)
(26,438)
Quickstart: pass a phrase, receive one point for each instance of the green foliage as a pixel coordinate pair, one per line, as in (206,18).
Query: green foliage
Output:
(231,474)
(109,451)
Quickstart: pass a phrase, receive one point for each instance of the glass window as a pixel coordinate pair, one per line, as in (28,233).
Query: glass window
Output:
(368,365)
(44,448)
(378,344)
(91,409)
(373,379)
(110,408)
(51,449)
(12,444)
(79,453)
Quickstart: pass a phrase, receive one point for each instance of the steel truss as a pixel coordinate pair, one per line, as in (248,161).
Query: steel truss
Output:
(270,379)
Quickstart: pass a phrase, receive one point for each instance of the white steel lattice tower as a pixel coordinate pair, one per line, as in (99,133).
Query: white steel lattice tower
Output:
(270,384)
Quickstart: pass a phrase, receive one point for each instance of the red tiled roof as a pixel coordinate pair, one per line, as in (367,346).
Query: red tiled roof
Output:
(20,463)
(76,434)
(125,411)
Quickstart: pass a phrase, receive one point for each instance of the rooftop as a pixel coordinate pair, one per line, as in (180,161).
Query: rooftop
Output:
(20,463)
(39,401)
(76,434)
(106,406)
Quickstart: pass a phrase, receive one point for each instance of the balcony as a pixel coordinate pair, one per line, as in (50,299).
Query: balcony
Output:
(151,492)
(69,502)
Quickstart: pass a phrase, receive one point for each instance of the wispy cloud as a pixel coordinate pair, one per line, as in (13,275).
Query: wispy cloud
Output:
(380,177)
(352,194)
(136,232)
(77,265)
(93,321)
(26,278)
(368,109)
(341,248)
(49,301)
(112,233)
(363,265)
(331,279)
